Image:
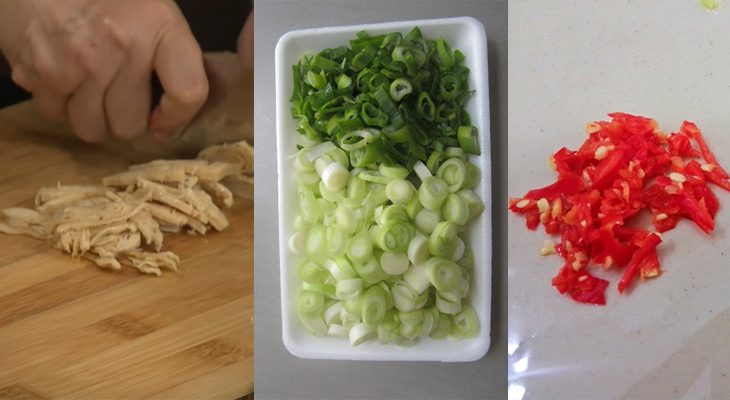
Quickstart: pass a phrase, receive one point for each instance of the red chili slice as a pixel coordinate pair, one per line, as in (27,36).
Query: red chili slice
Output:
(624,166)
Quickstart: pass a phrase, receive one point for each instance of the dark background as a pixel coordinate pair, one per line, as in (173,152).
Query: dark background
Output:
(215,23)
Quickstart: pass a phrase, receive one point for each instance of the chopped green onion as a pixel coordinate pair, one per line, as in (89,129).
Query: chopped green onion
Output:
(467,260)
(353,304)
(319,150)
(444,274)
(413,207)
(424,106)
(393,171)
(395,235)
(308,206)
(444,54)
(426,220)
(433,192)
(356,188)
(434,161)
(454,152)
(355,140)
(399,191)
(340,269)
(360,248)
(404,298)
(373,176)
(360,333)
(473,204)
(418,249)
(465,324)
(422,299)
(468,139)
(343,81)
(394,263)
(348,288)
(442,328)
(364,156)
(335,176)
(297,243)
(399,88)
(307,177)
(370,271)
(449,87)
(473,176)
(422,171)
(330,195)
(455,209)
(325,289)
(447,307)
(377,260)
(453,172)
(332,313)
(349,319)
(316,81)
(458,252)
(442,240)
(337,331)
(427,324)
(300,225)
(374,305)
(417,278)
(311,304)
(310,272)
(316,246)
(315,325)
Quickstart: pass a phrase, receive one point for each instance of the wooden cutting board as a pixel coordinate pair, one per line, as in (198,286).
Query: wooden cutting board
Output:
(69,330)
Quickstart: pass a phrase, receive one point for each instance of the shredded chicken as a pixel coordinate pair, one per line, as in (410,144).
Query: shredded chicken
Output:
(123,221)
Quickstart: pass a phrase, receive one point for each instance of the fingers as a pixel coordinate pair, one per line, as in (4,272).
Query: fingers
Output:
(245,42)
(128,99)
(85,110)
(178,61)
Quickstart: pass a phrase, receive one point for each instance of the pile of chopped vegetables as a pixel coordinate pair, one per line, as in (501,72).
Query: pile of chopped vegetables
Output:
(385,190)
(625,166)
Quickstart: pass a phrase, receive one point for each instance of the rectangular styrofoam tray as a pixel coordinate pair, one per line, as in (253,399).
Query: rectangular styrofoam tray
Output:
(463,33)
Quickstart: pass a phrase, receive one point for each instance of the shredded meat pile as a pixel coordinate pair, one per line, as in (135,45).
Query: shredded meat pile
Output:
(123,220)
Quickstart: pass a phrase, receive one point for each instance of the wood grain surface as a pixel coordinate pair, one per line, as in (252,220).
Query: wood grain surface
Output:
(69,330)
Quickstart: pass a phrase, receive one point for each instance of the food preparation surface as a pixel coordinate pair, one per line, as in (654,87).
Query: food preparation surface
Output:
(281,375)
(71,330)
(571,62)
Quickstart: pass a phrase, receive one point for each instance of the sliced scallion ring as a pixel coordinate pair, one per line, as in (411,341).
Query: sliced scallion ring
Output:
(393,171)
(311,304)
(453,172)
(348,288)
(355,139)
(442,240)
(468,139)
(455,209)
(445,275)
(465,324)
(374,305)
(399,88)
(361,333)
(394,263)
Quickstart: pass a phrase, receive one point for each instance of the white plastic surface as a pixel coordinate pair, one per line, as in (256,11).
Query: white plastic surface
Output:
(464,33)
(571,62)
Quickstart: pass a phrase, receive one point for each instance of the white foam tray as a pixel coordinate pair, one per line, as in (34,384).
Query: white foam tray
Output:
(463,33)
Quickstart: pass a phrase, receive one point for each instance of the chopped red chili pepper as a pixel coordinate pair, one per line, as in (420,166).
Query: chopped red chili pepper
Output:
(626,165)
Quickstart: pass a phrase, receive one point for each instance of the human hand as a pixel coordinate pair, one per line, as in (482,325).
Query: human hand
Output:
(245,42)
(90,61)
